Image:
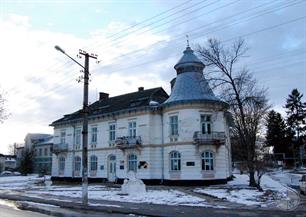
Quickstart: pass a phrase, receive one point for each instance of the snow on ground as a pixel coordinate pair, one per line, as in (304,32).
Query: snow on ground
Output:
(30,187)
(287,177)
(169,197)
(238,191)
(19,182)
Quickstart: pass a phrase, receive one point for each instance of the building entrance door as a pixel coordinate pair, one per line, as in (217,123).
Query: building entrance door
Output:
(111,168)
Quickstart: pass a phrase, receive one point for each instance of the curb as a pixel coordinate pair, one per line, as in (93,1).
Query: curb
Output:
(75,206)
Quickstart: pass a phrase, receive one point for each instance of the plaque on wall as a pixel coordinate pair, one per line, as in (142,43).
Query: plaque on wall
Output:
(190,164)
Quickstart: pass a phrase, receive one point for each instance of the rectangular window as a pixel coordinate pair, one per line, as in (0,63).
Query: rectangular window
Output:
(206,124)
(174,125)
(112,132)
(132,129)
(63,137)
(78,133)
(46,151)
(40,152)
(94,134)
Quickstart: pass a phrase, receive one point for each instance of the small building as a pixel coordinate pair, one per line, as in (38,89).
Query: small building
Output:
(42,160)
(19,153)
(2,160)
(178,139)
(10,162)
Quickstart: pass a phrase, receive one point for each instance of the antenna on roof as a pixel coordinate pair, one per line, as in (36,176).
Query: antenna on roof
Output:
(187,37)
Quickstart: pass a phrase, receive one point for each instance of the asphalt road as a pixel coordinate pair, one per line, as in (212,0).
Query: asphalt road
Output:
(9,209)
(6,211)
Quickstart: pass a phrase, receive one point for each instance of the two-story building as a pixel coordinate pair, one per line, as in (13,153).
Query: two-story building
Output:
(178,139)
(42,160)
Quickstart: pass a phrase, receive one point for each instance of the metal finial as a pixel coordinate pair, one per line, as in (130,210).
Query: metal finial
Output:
(187,37)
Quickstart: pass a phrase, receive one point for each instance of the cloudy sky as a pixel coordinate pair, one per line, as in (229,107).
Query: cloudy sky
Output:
(138,43)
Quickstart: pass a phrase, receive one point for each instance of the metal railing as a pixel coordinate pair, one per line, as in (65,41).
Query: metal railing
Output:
(58,148)
(128,142)
(217,138)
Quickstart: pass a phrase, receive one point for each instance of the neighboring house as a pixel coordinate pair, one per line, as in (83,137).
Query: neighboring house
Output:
(42,159)
(178,139)
(32,138)
(10,162)
(2,160)
(19,153)
(41,144)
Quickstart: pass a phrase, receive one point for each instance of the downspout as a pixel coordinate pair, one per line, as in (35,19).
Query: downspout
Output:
(73,151)
(162,148)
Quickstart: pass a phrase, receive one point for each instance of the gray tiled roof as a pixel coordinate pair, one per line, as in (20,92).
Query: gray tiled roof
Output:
(129,101)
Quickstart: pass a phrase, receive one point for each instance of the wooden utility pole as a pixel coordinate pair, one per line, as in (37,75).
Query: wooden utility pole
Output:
(85,112)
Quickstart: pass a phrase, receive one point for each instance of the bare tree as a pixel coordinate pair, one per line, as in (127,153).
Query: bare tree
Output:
(238,88)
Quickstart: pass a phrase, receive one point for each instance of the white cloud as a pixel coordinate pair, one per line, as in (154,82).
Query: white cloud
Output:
(41,83)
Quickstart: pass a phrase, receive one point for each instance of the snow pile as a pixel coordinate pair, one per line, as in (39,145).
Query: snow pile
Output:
(132,185)
(242,196)
(238,191)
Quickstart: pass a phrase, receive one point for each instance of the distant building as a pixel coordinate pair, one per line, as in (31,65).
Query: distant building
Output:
(41,144)
(2,160)
(10,162)
(19,153)
(178,139)
(32,138)
(42,160)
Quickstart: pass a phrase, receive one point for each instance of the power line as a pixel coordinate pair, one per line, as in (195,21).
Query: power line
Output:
(134,66)
(148,19)
(200,27)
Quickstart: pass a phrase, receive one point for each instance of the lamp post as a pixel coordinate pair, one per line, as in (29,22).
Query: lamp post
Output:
(85,121)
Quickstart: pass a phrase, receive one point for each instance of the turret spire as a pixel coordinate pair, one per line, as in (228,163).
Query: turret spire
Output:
(187,37)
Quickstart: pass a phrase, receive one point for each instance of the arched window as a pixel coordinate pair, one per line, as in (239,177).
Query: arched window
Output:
(132,162)
(175,161)
(77,164)
(93,163)
(207,160)
(61,165)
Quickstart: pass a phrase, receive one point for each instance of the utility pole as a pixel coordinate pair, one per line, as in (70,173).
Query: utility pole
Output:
(85,128)
(85,112)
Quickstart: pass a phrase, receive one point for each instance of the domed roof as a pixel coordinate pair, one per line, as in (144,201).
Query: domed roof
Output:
(189,58)
(190,83)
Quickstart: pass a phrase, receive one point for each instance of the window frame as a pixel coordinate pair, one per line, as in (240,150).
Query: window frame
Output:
(63,137)
(132,162)
(206,124)
(112,132)
(175,159)
(173,125)
(208,161)
(78,138)
(94,135)
(132,129)
(61,165)
(77,164)
(93,163)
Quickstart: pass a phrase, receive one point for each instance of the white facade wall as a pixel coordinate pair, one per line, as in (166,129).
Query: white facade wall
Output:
(155,135)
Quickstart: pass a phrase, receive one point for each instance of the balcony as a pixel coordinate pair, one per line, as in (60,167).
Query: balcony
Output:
(214,138)
(126,142)
(58,148)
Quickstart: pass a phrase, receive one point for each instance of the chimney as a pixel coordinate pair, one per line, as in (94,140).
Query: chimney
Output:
(103,96)
(140,89)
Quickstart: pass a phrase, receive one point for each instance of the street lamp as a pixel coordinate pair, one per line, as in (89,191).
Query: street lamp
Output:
(85,120)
